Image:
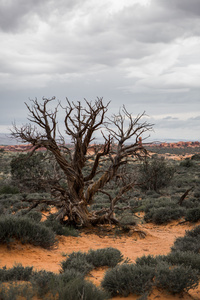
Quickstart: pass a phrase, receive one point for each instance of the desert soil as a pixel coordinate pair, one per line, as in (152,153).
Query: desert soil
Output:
(158,240)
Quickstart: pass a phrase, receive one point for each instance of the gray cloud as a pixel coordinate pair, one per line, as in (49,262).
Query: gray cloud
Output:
(146,57)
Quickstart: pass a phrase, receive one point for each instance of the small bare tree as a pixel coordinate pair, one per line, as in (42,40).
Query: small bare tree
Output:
(81,124)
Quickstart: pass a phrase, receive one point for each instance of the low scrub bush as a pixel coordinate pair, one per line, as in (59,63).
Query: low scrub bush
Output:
(187,243)
(163,215)
(195,232)
(25,230)
(156,173)
(126,279)
(44,282)
(190,242)
(176,279)
(77,261)
(15,273)
(8,189)
(127,219)
(68,275)
(33,215)
(187,163)
(161,202)
(193,214)
(85,262)
(148,260)
(104,257)
(58,228)
(80,289)
(187,258)
(16,291)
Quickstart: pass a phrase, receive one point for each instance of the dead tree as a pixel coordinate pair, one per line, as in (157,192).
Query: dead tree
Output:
(81,124)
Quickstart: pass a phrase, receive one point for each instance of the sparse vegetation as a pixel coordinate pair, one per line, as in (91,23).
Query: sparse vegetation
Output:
(176,279)
(85,262)
(25,230)
(128,278)
(20,218)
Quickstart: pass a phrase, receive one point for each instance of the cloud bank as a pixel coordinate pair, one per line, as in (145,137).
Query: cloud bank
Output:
(144,54)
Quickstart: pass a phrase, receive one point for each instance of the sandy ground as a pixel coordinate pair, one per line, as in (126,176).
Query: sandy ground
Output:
(158,240)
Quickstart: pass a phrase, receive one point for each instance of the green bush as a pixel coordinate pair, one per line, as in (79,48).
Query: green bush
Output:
(77,261)
(16,291)
(196,157)
(80,289)
(163,215)
(187,258)
(156,174)
(176,279)
(44,282)
(126,279)
(25,230)
(163,202)
(33,215)
(58,228)
(7,189)
(190,242)
(187,243)
(149,260)
(195,232)
(15,273)
(68,275)
(187,163)
(85,262)
(193,214)
(104,257)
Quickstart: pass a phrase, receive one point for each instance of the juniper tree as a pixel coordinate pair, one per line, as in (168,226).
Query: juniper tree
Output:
(121,135)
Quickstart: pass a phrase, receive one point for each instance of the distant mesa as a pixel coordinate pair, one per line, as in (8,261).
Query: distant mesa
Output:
(27,147)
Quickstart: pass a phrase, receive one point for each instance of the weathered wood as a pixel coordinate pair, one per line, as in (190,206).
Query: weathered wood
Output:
(81,123)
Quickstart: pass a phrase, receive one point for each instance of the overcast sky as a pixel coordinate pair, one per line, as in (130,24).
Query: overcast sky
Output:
(141,53)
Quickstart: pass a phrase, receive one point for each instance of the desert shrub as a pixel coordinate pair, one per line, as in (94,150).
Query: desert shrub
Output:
(190,242)
(148,260)
(85,262)
(58,228)
(195,157)
(77,261)
(187,258)
(163,215)
(156,174)
(104,257)
(68,275)
(25,230)
(176,279)
(44,282)
(193,214)
(127,219)
(33,215)
(187,163)
(195,232)
(15,273)
(187,243)
(28,171)
(190,203)
(150,203)
(44,207)
(125,279)
(16,291)
(197,194)
(80,289)
(8,189)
